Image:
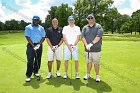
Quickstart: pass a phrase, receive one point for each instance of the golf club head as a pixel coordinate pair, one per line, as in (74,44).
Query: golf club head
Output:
(38,78)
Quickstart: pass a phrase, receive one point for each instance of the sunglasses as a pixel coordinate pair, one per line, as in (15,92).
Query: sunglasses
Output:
(36,19)
(90,18)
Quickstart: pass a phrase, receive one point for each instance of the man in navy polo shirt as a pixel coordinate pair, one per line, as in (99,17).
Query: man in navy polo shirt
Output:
(54,40)
(35,35)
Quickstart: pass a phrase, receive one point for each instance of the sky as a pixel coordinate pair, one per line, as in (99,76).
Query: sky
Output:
(26,9)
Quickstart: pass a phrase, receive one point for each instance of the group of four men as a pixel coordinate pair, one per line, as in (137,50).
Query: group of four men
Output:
(55,36)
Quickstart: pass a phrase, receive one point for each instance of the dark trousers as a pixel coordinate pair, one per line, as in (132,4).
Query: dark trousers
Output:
(32,65)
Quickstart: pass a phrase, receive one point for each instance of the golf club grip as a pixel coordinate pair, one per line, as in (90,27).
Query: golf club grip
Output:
(88,54)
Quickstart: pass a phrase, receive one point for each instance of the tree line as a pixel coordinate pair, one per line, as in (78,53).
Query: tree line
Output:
(108,16)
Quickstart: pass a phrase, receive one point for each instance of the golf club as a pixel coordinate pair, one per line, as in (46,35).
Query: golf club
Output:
(88,63)
(53,62)
(71,64)
(38,78)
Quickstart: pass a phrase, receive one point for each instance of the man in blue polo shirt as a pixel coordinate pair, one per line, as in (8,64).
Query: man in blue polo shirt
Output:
(35,35)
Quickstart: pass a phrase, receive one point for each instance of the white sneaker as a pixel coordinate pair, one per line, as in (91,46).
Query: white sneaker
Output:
(77,76)
(87,76)
(28,79)
(58,73)
(65,75)
(49,75)
(37,74)
(97,78)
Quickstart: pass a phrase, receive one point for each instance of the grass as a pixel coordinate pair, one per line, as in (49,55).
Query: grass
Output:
(119,68)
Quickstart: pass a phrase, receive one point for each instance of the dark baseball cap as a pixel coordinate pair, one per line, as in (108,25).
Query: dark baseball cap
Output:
(90,15)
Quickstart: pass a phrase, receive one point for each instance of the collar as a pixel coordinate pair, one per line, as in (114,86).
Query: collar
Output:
(70,26)
(54,29)
(92,26)
(34,25)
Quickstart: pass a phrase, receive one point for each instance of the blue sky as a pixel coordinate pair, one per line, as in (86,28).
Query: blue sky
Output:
(25,9)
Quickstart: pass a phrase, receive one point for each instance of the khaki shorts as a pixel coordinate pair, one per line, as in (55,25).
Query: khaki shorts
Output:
(93,57)
(57,55)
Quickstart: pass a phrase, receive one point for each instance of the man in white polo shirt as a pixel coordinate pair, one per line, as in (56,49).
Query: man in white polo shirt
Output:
(71,36)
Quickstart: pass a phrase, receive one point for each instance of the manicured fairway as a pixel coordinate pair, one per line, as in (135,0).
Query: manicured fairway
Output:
(120,69)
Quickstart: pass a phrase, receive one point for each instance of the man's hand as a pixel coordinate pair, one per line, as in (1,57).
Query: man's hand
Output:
(36,47)
(89,46)
(55,47)
(69,47)
(72,47)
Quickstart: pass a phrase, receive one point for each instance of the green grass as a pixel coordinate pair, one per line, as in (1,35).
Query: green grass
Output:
(119,68)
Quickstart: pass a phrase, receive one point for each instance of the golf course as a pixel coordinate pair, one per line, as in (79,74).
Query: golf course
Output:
(119,72)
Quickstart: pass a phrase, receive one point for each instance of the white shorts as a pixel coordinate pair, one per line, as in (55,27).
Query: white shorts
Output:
(93,57)
(67,53)
(57,55)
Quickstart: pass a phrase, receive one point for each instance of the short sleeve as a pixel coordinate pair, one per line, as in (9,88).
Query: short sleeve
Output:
(27,32)
(48,33)
(43,32)
(83,32)
(64,30)
(100,31)
(78,31)
(61,33)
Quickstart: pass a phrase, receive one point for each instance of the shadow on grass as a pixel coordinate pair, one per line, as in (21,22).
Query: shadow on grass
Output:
(58,81)
(34,82)
(100,87)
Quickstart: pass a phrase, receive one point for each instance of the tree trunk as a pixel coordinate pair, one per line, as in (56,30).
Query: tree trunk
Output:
(131,32)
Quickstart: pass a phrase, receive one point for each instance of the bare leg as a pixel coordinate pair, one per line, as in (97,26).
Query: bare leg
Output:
(76,65)
(58,64)
(66,66)
(96,67)
(89,67)
(50,65)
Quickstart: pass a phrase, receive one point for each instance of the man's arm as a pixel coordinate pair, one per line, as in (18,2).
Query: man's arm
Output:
(61,41)
(42,40)
(99,35)
(49,42)
(97,39)
(77,40)
(84,41)
(29,40)
(65,40)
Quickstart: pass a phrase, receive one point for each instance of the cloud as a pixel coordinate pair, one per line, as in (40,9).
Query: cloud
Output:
(2,14)
(29,10)
(134,5)
(118,2)
(24,3)
(126,11)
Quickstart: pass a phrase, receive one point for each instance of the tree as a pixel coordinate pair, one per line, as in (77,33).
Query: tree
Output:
(122,20)
(2,26)
(48,21)
(62,14)
(12,25)
(136,21)
(110,20)
(22,25)
(97,7)
(50,16)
